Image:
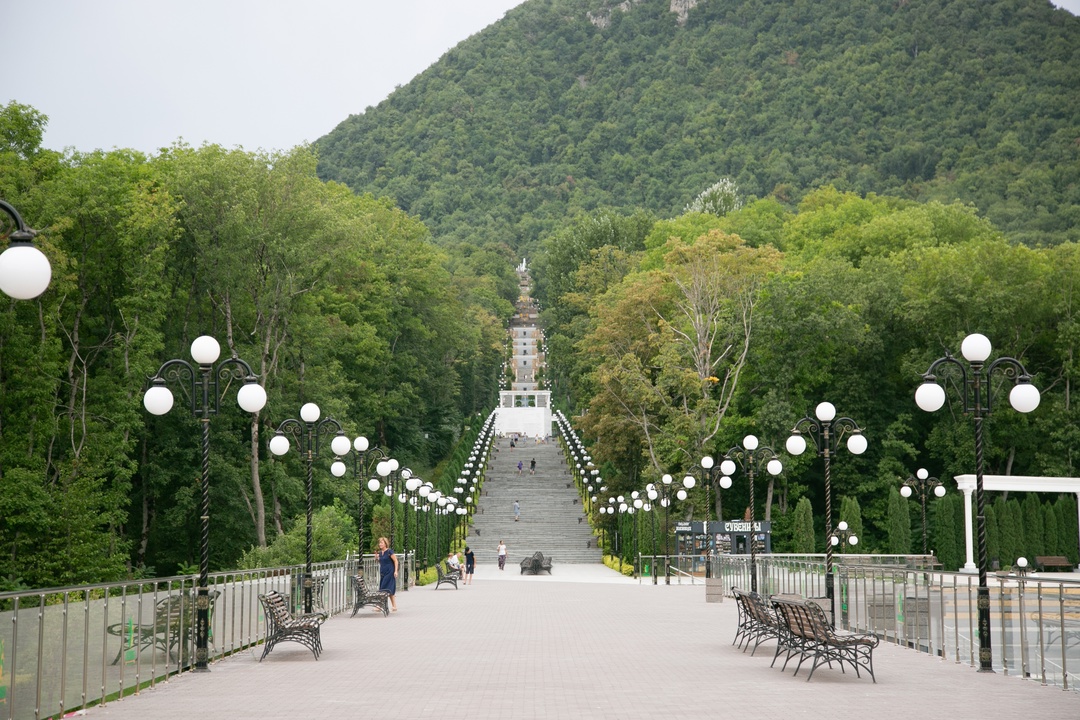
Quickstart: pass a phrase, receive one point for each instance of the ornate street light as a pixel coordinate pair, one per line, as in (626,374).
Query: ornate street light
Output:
(976,397)
(750,456)
(205,384)
(666,491)
(361,468)
(306,432)
(25,272)
(827,431)
(842,536)
(922,484)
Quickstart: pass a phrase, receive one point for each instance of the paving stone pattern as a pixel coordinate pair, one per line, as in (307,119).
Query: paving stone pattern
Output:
(588,645)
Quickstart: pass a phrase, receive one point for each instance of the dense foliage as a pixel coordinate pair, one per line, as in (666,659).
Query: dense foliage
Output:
(334,298)
(672,339)
(546,113)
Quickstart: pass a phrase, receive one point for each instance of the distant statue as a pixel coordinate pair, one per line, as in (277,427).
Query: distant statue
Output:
(523,267)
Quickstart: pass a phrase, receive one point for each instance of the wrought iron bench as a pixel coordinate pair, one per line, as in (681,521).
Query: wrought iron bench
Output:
(536,563)
(170,630)
(807,632)
(1053,562)
(283,626)
(362,597)
(449,578)
(757,622)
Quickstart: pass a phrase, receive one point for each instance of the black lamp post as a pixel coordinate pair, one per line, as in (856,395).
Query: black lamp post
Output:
(975,394)
(843,536)
(922,485)
(306,432)
(361,468)
(827,431)
(708,478)
(750,456)
(25,272)
(666,491)
(205,384)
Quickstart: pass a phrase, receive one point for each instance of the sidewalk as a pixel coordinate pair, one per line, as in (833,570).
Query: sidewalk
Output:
(582,643)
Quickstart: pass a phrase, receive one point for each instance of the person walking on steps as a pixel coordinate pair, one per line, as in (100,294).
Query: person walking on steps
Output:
(532,466)
(502,555)
(520,466)
(388,570)
(517,511)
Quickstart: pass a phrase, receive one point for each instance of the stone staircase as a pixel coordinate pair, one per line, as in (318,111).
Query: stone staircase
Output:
(552,518)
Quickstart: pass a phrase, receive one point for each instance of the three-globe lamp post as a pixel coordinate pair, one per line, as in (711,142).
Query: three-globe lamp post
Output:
(827,432)
(922,485)
(976,398)
(205,384)
(749,457)
(307,431)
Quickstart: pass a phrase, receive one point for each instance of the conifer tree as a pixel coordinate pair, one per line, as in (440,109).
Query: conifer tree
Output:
(803,527)
(899,524)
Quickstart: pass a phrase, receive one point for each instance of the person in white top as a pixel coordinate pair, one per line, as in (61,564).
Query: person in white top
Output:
(453,563)
(502,555)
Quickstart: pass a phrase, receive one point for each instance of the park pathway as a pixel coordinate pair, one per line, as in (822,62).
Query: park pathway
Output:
(583,644)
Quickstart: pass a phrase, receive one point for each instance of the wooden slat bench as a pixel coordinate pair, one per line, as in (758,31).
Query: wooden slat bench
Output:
(362,597)
(450,578)
(808,634)
(282,626)
(757,622)
(1053,562)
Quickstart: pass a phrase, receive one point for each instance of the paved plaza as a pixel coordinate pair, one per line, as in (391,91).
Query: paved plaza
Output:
(583,643)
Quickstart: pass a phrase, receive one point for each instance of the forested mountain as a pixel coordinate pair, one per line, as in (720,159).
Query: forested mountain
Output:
(566,105)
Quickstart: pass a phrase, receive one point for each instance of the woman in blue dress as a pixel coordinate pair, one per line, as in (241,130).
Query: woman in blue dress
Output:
(388,569)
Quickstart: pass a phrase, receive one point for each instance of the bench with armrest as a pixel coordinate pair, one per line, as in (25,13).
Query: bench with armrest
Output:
(757,622)
(283,626)
(363,597)
(807,632)
(536,563)
(1053,562)
(449,576)
(170,630)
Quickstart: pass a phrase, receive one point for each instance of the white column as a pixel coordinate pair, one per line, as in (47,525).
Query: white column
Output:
(969,565)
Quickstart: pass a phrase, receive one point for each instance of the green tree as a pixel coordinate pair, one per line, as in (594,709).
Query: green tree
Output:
(947,530)
(899,518)
(803,536)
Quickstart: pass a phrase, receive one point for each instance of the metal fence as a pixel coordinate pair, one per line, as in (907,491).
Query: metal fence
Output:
(1035,620)
(62,649)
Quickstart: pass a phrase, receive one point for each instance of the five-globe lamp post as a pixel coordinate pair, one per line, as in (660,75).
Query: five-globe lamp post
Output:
(976,398)
(306,431)
(750,456)
(25,272)
(827,432)
(361,450)
(922,485)
(665,491)
(205,383)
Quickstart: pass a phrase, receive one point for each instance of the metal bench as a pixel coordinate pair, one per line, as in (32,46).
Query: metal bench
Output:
(450,578)
(362,597)
(1054,562)
(757,622)
(536,563)
(283,626)
(807,633)
(170,630)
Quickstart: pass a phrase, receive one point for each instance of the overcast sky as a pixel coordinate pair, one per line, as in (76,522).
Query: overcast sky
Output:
(264,74)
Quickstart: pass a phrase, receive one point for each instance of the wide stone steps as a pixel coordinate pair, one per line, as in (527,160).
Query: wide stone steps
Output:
(552,518)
